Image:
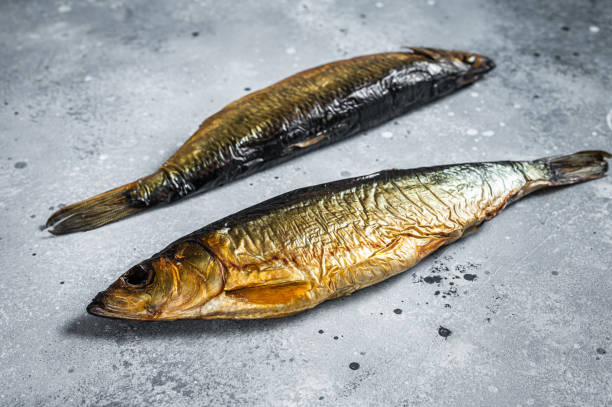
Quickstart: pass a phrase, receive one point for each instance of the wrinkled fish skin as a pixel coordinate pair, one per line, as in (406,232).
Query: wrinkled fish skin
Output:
(305,111)
(297,250)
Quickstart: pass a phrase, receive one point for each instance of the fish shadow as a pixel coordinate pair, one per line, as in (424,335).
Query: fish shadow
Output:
(88,326)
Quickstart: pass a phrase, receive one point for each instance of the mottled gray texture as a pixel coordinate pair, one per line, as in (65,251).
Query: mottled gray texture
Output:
(95,94)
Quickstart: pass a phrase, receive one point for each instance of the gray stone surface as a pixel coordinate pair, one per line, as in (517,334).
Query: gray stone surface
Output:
(94,94)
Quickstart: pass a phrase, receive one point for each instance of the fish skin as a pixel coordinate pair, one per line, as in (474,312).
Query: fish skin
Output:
(292,252)
(303,112)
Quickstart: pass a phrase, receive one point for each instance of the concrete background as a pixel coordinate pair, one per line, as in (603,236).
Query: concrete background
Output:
(94,94)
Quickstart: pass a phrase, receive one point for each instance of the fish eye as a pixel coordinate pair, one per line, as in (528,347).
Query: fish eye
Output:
(138,276)
(470,59)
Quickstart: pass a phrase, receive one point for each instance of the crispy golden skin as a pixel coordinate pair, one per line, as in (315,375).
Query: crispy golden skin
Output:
(298,114)
(295,251)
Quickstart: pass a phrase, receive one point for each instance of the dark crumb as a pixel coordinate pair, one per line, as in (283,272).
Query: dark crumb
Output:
(71,370)
(321,331)
(432,279)
(576,54)
(437,292)
(447,305)
(195,34)
(61,282)
(20,164)
(536,96)
(554,273)
(565,28)
(354,365)
(381,313)
(601,351)
(33,254)
(536,54)
(275,177)
(335,337)
(558,57)
(470,277)
(444,332)
(247,89)
(32,216)
(16,113)
(397,311)
(321,397)
(488,319)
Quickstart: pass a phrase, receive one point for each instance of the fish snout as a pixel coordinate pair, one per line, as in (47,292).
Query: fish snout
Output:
(475,66)
(96,306)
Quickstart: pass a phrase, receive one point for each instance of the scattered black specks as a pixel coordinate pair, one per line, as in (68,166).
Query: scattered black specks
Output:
(536,54)
(61,282)
(335,338)
(554,273)
(437,292)
(247,89)
(447,305)
(275,177)
(321,397)
(397,311)
(470,277)
(32,216)
(381,313)
(565,28)
(195,33)
(444,332)
(71,370)
(601,351)
(488,319)
(21,164)
(33,254)
(432,279)
(536,96)
(321,331)
(354,365)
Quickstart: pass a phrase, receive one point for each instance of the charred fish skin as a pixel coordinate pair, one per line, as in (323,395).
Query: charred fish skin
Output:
(306,111)
(292,252)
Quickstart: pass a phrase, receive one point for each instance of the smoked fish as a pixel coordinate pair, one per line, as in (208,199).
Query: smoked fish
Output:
(303,112)
(292,252)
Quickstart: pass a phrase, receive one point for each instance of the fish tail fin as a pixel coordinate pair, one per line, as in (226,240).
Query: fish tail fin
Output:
(96,211)
(577,167)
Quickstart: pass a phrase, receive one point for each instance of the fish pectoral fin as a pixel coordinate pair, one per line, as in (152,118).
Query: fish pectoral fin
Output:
(308,143)
(271,294)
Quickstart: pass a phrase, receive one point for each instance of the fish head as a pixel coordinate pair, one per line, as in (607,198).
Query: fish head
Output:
(464,67)
(174,284)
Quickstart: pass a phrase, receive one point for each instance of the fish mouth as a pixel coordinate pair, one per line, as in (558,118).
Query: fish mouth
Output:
(478,68)
(96,307)
(100,307)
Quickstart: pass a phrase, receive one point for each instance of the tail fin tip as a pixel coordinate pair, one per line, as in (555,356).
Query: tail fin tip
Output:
(94,212)
(577,167)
